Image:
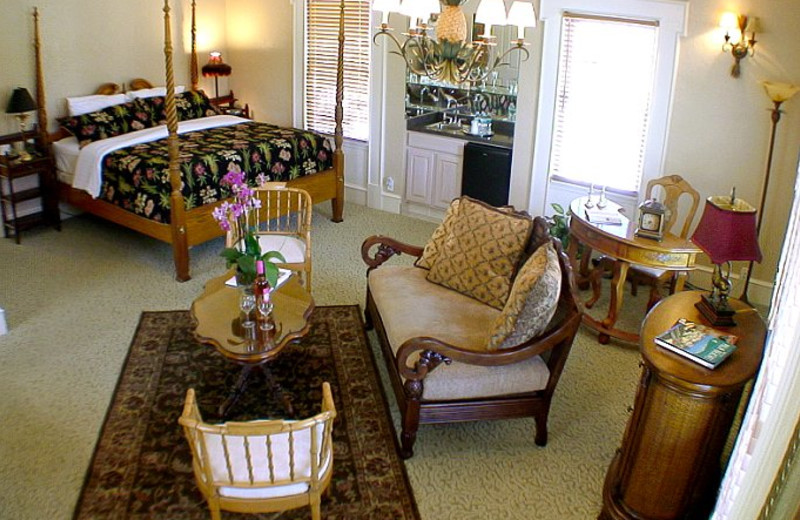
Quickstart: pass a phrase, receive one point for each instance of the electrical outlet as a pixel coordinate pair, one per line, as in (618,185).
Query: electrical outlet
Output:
(389,183)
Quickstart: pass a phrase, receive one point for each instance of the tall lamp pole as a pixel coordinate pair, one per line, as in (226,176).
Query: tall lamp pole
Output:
(778,93)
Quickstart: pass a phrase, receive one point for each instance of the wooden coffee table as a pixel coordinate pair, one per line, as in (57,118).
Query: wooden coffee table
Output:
(217,320)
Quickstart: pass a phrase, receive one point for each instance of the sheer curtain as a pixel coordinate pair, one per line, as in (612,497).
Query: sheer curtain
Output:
(765,448)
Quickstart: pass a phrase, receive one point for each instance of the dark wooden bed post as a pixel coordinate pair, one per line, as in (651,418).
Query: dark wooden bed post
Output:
(338,155)
(180,244)
(41,98)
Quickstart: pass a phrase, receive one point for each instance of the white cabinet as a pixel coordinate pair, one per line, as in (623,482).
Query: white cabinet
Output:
(433,173)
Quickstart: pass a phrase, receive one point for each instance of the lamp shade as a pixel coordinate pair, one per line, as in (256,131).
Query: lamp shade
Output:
(727,232)
(21,101)
(780,92)
(522,14)
(386,7)
(215,67)
(491,12)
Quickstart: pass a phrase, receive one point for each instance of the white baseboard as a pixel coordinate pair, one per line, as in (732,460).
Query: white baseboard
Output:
(355,194)
(3,324)
(759,292)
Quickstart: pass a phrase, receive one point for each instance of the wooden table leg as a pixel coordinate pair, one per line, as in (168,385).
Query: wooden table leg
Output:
(277,391)
(236,392)
(617,294)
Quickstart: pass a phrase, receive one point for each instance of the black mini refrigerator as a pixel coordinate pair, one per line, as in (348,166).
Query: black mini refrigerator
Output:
(487,173)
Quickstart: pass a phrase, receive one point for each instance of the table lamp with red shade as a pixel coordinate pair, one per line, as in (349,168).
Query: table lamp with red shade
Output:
(726,233)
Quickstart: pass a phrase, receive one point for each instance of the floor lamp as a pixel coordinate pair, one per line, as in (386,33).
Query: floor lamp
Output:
(778,93)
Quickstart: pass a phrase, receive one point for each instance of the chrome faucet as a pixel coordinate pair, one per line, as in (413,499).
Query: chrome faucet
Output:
(430,93)
(477,101)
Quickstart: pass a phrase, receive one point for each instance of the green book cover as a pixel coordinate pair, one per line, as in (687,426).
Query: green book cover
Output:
(704,345)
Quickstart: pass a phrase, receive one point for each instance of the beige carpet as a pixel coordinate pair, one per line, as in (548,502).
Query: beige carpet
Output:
(73,299)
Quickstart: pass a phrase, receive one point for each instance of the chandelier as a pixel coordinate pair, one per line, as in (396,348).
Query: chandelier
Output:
(450,57)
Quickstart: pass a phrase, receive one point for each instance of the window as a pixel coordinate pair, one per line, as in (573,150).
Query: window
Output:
(320,63)
(607,75)
(605,83)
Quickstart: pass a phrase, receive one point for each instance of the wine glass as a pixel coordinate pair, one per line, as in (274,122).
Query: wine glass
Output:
(247,303)
(264,310)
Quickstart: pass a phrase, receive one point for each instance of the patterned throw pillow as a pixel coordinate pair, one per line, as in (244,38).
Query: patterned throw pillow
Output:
(532,302)
(480,254)
(108,122)
(434,246)
(191,104)
(435,243)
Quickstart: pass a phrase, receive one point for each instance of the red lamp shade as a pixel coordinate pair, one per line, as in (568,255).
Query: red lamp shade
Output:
(727,232)
(215,67)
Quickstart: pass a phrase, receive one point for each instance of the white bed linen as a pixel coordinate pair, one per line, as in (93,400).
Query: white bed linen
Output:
(66,153)
(88,166)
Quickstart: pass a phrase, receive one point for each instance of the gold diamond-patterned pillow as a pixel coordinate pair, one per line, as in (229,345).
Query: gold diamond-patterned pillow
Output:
(532,302)
(435,243)
(480,254)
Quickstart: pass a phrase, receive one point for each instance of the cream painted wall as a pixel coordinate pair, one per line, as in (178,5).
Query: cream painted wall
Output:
(89,42)
(720,125)
(259,35)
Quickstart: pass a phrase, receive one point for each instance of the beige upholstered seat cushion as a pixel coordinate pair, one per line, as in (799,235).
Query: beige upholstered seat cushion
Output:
(532,302)
(410,306)
(481,252)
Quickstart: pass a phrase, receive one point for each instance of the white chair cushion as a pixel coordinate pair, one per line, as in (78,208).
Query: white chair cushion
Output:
(293,249)
(410,306)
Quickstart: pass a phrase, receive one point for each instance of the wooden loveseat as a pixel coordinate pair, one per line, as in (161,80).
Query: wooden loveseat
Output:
(436,342)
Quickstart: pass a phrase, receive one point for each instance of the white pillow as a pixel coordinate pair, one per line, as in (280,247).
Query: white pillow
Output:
(152,92)
(84,104)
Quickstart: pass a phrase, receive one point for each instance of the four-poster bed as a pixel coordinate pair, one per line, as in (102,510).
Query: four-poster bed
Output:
(183,226)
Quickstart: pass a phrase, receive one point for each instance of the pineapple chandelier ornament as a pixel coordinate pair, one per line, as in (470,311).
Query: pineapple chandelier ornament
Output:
(450,57)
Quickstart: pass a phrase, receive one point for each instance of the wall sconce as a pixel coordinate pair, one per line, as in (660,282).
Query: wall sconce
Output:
(737,42)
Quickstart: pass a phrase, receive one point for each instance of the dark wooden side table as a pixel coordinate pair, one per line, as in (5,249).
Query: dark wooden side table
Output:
(12,170)
(669,462)
(229,105)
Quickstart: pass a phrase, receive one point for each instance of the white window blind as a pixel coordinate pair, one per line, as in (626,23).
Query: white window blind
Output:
(321,49)
(605,84)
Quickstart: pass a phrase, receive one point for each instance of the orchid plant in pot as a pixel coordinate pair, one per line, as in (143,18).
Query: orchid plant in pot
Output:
(238,216)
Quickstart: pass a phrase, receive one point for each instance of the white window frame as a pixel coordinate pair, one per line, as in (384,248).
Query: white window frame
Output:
(672,16)
(299,73)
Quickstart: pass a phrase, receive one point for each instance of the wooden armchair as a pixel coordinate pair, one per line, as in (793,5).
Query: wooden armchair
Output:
(434,344)
(283,224)
(261,466)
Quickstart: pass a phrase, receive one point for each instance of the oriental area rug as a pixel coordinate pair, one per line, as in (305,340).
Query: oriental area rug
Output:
(142,465)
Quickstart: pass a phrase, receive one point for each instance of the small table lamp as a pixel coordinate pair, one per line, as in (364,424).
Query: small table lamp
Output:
(726,232)
(20,104)
(216,68)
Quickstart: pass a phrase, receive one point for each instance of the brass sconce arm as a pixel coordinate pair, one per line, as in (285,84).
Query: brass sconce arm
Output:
(745,46)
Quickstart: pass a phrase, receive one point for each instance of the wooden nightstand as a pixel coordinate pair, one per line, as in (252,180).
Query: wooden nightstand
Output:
(669,464)
(229,105)
(12,170)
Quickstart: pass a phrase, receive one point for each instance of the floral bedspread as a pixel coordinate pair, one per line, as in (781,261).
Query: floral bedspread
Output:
(137,178)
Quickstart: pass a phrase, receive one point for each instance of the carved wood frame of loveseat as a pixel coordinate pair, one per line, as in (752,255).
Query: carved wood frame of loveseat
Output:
(408,380)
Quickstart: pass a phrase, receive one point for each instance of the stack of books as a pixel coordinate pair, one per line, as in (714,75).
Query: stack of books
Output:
(703,345)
